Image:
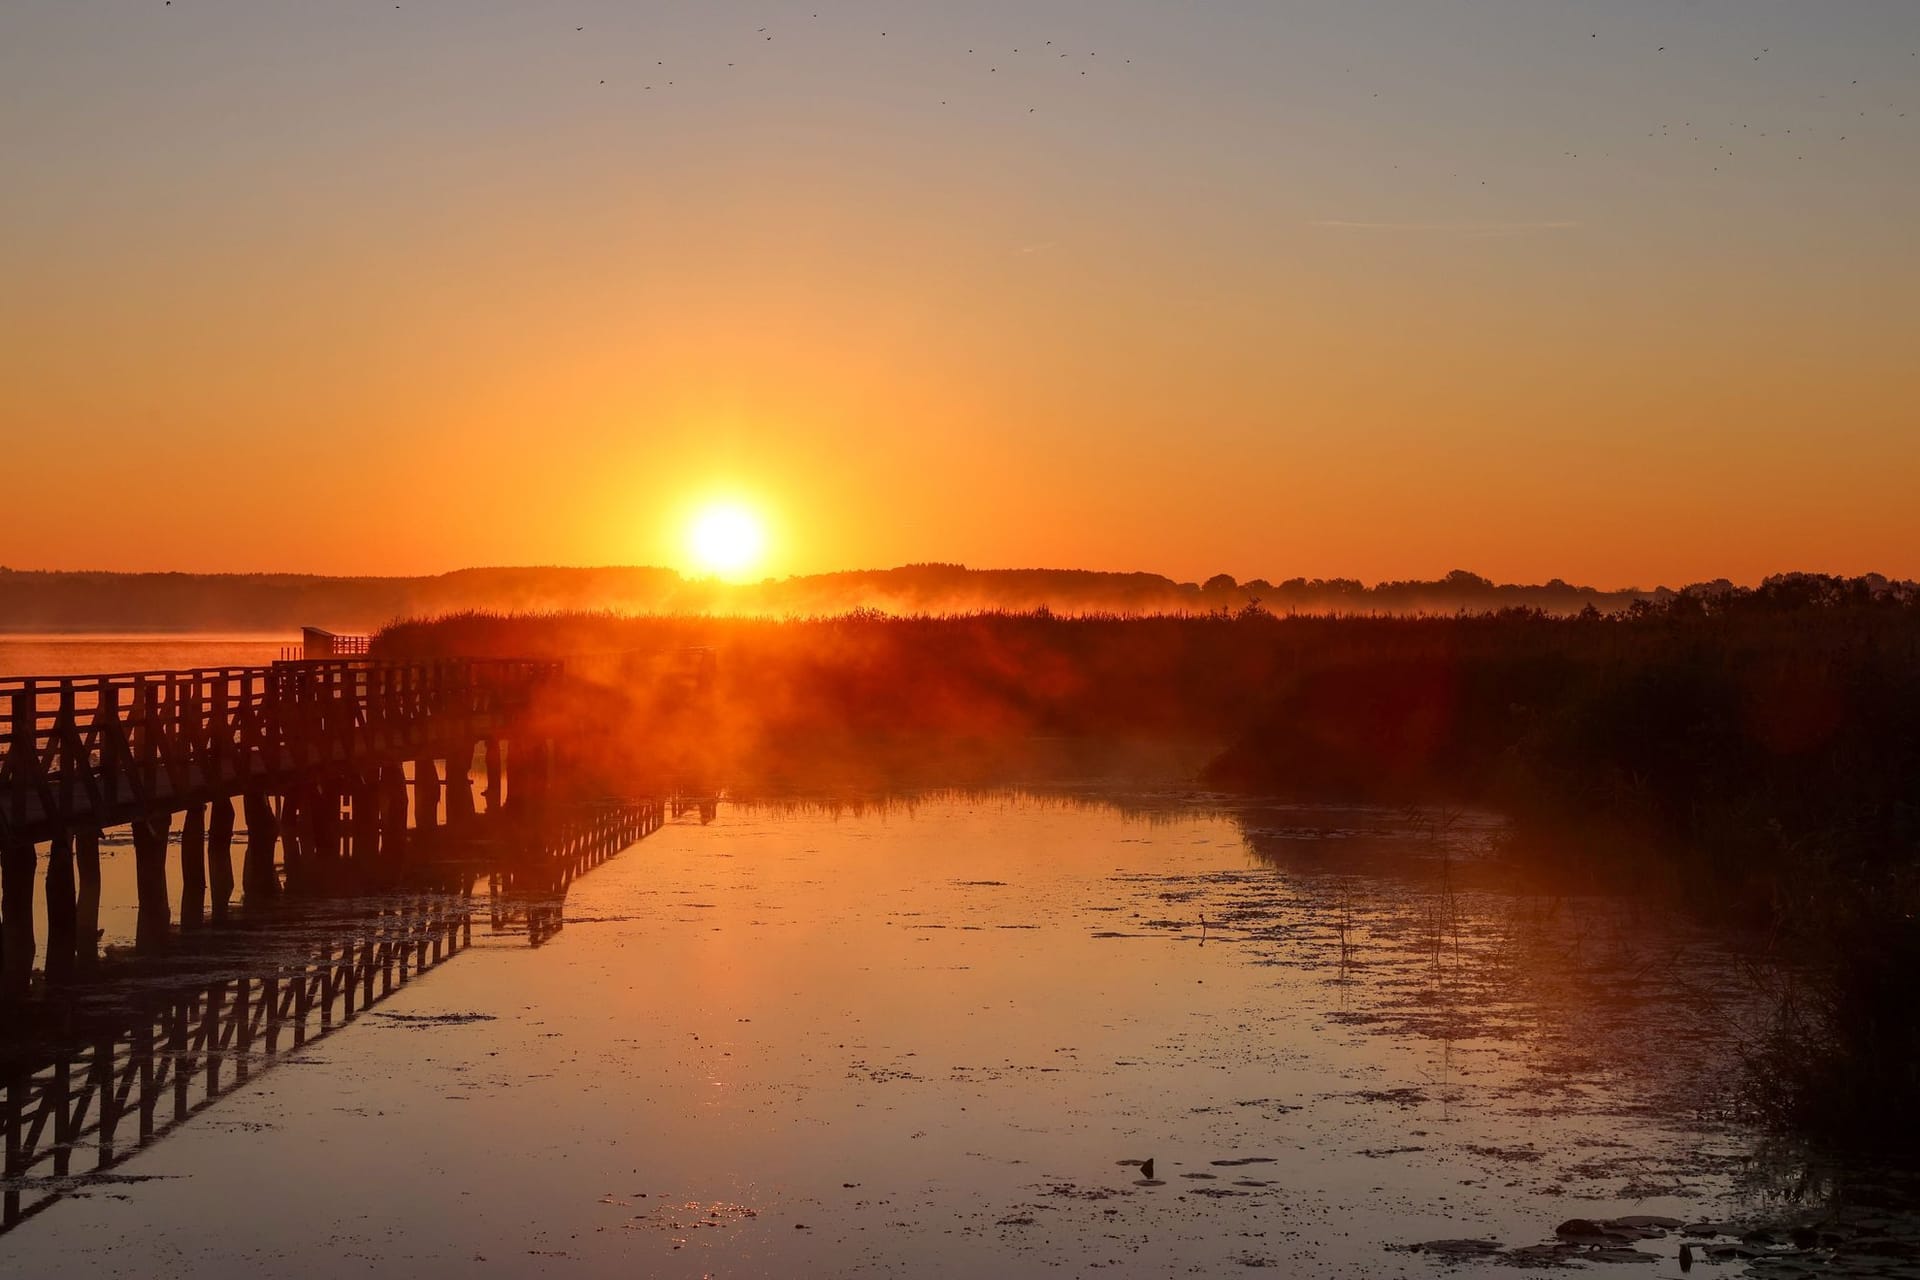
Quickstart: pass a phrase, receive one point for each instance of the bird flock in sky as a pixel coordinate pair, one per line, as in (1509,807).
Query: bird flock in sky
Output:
(1825,121)
(1856,102)
(990,58)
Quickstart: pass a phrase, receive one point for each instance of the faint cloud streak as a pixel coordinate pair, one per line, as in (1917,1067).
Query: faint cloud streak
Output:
(1447,228)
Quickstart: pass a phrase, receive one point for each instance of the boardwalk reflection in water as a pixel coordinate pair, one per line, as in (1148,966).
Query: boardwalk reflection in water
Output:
(98,1074)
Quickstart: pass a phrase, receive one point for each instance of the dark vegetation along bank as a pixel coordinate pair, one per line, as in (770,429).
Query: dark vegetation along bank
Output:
(1757,750)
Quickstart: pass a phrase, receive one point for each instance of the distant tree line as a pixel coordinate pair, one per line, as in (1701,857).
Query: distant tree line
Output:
(64,601)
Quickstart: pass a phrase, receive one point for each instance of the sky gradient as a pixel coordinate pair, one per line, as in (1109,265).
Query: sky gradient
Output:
(1618,292)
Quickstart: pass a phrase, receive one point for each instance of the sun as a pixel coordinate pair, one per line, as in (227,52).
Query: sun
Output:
(726,539)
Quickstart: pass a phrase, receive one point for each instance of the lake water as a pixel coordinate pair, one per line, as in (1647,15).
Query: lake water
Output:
(921,1038)
(33,654)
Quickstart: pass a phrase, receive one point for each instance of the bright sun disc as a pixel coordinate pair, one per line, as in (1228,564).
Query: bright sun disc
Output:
(726,539)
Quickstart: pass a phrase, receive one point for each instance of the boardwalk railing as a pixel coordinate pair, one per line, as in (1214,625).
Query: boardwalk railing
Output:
(318,643)
(92,751)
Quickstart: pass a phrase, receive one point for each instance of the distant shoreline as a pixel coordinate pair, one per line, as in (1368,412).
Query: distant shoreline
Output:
(85,634)
(78,603)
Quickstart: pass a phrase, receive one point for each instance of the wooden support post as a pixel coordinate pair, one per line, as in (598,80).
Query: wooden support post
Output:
(193,866)
(332,805)
(426,801)
(426,793)
(496,777)
(220,855)
(321,835)
(258,878)
(509,772)
(63,927)
(87,899)
(460,786)
(18,864)
(393,813)
(155,921)
(366,824)
(296,838)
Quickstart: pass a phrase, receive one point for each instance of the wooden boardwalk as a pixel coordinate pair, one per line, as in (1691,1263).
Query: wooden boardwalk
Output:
(345,769)
(109,749)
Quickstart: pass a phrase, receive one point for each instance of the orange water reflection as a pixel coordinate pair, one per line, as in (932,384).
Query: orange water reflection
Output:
(922,1038)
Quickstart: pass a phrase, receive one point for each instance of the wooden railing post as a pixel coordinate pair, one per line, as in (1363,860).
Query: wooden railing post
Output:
(23,755)
(144,736)
(75,768)
(110,739)
(219,759)
(187,721)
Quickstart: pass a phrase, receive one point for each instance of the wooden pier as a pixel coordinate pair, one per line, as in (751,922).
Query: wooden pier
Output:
(343,771)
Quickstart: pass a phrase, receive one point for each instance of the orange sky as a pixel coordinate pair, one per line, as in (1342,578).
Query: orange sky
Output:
(1295,290)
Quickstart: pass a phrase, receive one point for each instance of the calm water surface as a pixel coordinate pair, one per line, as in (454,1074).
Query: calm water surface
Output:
(24,654)
(922,1039)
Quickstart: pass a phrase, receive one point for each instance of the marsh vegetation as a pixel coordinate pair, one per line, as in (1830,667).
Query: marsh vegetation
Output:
(1753,752)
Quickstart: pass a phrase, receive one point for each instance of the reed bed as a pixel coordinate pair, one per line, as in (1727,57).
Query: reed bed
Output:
(1757,750)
